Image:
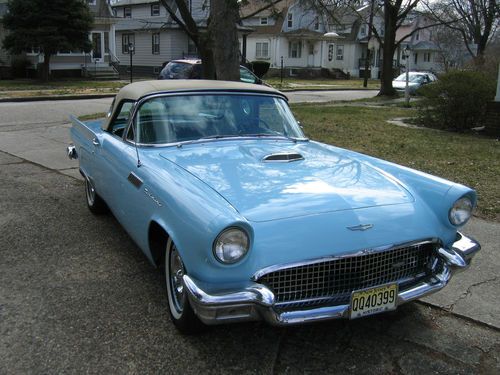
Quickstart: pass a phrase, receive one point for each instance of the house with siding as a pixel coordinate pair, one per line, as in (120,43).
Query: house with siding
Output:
(99,62)
(293,33)
(156,38)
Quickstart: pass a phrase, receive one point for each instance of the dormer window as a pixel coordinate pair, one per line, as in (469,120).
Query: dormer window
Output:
(290,20)
(127,12)
(263,20)
(155,9)
(316,24)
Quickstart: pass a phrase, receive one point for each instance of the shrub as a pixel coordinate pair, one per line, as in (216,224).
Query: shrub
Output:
(260,67)
(457,101)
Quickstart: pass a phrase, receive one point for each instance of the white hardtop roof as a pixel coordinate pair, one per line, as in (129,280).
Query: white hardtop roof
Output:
(137,90)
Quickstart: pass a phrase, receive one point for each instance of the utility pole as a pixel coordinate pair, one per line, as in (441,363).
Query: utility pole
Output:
(368,51)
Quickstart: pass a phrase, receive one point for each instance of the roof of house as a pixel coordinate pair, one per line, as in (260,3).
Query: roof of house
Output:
(425,45)
(277,11)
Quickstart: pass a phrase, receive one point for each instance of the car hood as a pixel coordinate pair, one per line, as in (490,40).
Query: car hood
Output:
(325,180)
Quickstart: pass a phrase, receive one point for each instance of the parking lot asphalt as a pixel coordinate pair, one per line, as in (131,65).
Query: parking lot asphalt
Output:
(77,296)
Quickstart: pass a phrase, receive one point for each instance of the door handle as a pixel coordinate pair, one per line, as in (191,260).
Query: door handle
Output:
(95,142)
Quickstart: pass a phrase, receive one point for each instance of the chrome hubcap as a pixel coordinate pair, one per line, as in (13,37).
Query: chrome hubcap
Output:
(90,192)
(176,274)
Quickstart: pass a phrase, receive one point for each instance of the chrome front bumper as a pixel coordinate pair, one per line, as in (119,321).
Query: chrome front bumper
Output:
(255,301)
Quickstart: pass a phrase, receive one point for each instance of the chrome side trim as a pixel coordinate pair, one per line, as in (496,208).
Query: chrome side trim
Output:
(279,267)
(254,301)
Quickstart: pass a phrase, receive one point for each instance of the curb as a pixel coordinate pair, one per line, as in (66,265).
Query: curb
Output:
(333,89)
(55,97)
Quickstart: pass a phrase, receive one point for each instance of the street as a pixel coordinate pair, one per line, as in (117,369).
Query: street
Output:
(78,296)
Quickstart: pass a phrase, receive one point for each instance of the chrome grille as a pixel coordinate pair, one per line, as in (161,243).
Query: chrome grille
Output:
(332,281)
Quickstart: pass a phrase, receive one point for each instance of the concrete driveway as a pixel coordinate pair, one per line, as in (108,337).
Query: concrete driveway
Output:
(76,294)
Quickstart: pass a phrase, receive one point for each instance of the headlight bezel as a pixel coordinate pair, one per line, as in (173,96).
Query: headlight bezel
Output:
(219,239)
(464,204)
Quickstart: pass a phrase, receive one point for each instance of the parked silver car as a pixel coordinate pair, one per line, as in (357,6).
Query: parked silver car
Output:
(415,81)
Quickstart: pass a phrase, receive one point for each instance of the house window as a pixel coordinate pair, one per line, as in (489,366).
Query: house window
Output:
(330,52)
(126,39)
(417,36)
(295,50)
(262,50)
(127,12)
(340,52)
(155,41)
(263,20)
(316,23)
(155,9)
(363,30)
(416,58)
(91,2)
(427,57)
(290,20)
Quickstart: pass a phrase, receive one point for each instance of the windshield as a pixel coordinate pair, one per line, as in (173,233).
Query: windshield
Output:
(172,119)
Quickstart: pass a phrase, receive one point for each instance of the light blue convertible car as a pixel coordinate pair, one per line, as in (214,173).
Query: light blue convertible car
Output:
(251,220)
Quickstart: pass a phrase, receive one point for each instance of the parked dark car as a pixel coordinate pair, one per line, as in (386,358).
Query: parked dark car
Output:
(192,69)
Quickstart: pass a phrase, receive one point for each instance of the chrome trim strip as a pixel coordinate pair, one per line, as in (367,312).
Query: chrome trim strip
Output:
(279,267)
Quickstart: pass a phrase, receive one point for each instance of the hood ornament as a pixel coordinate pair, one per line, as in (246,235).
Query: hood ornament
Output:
(361,227)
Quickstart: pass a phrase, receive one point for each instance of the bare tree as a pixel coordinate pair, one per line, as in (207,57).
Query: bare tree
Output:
(476,20)
(217,40)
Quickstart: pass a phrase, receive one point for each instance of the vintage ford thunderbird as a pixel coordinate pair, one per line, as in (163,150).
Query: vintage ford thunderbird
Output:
(216,182)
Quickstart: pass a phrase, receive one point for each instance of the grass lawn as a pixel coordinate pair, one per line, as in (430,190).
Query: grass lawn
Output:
(321,83)
(75,84)
(29,88)
(467,159)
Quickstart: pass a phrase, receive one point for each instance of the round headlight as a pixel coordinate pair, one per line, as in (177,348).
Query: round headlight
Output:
(231,245)
(461,211)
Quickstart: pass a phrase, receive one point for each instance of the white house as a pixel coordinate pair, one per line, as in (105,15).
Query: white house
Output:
(75,63)
(295,34)
(155,36)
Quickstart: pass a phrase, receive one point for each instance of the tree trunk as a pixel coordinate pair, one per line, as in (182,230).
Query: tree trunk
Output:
(207,57)
(45,73)
(224,16)
(390,26)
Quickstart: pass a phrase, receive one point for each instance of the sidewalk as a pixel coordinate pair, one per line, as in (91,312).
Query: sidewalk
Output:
(475,293)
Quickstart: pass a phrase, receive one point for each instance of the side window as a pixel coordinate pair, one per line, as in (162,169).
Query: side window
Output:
(120,120)
(151,124)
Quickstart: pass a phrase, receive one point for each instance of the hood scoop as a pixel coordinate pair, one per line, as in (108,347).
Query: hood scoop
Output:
(282,157)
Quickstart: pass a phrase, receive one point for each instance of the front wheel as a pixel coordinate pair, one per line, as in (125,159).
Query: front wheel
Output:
(181,312)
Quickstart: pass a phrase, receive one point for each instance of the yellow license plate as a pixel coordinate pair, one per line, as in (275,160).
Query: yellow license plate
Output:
(373,300)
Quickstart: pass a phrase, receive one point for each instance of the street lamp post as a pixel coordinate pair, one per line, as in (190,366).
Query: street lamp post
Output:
(406,54)
(131,52)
